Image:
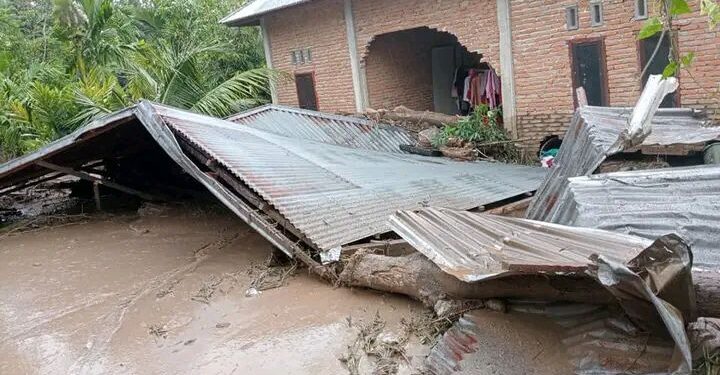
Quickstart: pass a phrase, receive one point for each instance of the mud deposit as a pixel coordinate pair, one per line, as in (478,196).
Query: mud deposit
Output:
(165,292)
(126,294)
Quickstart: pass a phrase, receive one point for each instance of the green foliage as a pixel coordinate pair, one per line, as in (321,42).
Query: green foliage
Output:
(652,26)
(678,7)
(675,66)
(711,9)
(64,63)
(671,9)
(481,130)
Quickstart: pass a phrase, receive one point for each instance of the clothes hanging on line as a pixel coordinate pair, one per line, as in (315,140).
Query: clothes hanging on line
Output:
(475,87)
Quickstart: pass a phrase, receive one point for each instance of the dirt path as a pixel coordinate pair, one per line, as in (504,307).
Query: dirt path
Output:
(126,295)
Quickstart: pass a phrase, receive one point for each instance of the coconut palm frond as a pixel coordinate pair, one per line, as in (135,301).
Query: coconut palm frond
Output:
(242,89)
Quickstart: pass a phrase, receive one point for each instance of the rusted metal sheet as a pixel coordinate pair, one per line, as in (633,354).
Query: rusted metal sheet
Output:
(252,10)
(475,247)
(316,126)
(593,136)
(650,204)
(657,294)
(654,289)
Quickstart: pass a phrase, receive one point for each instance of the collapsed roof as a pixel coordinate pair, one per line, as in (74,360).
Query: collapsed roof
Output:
(478,247)
(593,136)
(322,127)
(650,203)
(292,190)
(475,247)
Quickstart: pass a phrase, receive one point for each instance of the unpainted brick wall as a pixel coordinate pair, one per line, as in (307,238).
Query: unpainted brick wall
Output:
(543,81)
(320,26)
(544,92)
(473,23)
(399,68)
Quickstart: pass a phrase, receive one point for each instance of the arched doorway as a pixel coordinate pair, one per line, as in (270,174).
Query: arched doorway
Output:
(417,68)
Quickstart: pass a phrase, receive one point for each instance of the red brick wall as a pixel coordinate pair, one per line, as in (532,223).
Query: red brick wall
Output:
(319,25)
(543,81)
(544,96)
(399,68)
(389,86)
(474,22)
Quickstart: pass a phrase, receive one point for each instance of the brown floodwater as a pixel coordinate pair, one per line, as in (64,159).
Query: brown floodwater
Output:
(165,293)
(84,299)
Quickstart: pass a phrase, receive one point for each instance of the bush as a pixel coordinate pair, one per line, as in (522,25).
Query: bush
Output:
(482,131)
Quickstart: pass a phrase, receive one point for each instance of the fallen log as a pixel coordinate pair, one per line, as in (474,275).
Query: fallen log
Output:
(707,293)
(416,276)
(403,114)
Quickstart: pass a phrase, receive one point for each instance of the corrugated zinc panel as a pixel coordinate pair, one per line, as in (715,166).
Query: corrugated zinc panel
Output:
(650,204)
(337,195)
(474,247)
(592,137)
(249,12)
(317,126)
(596,340)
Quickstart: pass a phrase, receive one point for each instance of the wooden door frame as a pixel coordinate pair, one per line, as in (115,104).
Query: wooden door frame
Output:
(314,81)
(603,67)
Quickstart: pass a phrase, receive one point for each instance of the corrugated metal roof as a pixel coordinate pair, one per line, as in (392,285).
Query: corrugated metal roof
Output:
(321,127)
(336,195)
(474,247)
(253,9)
(649,204)
(592,137)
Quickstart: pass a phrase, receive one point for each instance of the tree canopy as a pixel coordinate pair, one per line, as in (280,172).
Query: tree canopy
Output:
(65,62)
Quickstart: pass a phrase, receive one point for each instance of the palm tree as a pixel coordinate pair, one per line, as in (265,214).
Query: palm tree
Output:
(165,71)
(111,67)
(170,74)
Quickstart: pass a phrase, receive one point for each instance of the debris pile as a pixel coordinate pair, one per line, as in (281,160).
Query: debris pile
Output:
(623,261)
(411,120)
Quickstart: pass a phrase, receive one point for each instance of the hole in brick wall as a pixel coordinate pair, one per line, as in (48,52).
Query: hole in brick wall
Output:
(418,68)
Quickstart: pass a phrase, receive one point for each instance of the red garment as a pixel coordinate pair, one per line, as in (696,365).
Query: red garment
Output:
(471,91)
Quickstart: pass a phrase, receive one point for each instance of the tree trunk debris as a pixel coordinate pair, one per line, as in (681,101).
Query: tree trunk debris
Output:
(414,275)
(411,120)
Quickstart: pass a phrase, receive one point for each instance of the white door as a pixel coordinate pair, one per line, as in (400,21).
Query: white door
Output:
(443,72)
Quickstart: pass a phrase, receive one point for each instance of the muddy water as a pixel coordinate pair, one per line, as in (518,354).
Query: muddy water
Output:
(116,296)
(165,293)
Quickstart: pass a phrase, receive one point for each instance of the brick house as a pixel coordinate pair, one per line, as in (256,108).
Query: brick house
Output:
(348,55)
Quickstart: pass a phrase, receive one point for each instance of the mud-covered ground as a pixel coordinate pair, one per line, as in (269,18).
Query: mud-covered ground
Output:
(166,292)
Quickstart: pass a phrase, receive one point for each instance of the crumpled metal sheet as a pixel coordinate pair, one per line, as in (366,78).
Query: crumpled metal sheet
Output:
(337,195)
(475,247)
(650,203)
(594,134)
(333,195)
(657,293)
(650,279)
(316,126)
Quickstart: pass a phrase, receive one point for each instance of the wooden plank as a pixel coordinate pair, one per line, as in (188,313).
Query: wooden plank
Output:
(89,177)
(28,184)
(515,209)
